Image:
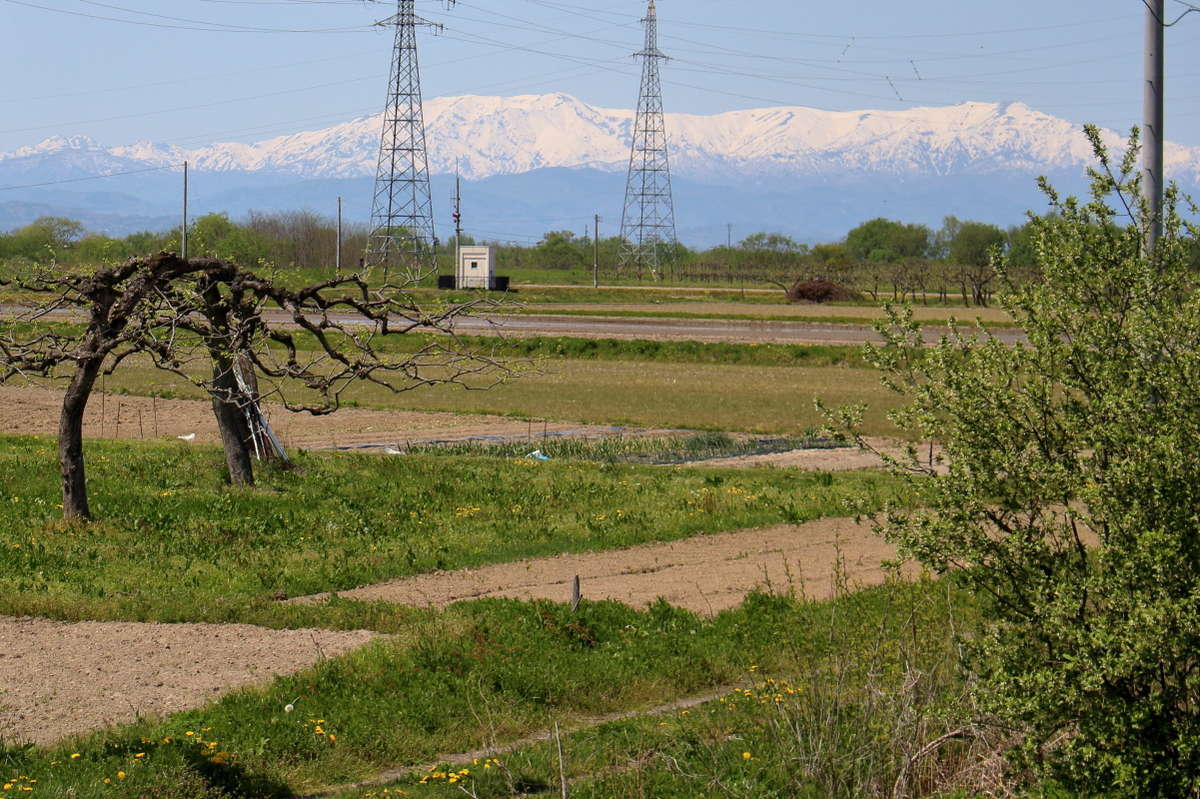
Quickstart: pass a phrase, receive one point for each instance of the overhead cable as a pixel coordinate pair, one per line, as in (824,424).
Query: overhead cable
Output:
(90,177)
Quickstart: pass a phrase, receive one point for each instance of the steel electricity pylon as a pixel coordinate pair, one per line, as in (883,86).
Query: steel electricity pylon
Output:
(402,213)
(648,221)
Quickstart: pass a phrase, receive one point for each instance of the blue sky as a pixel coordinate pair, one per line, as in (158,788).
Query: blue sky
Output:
(195,71)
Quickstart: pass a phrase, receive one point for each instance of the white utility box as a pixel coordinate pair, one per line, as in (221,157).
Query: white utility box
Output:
(476,268)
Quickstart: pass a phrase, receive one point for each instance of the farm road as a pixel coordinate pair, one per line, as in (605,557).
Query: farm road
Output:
(705,574)
(703,330)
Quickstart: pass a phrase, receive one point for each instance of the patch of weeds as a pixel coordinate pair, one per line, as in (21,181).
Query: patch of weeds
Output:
(172,545)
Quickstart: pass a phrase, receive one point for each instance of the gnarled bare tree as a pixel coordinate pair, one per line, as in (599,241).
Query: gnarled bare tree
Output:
(199,319)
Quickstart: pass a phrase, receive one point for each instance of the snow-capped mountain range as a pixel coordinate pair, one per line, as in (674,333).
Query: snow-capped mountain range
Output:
(783,150)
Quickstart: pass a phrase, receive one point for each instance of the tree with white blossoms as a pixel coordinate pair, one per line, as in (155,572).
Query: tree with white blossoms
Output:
(1059,478)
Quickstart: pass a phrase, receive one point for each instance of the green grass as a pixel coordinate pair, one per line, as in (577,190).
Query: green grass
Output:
(497,669)
(633,449)
(573,281)
(681,352)
(868,681)
(600,349)
(769,400)
(174,544)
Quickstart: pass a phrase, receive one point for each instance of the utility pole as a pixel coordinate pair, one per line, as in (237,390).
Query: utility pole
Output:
(1153,106)
(338,256)
(729,254)
(596,254)
(457,209)
(183,230)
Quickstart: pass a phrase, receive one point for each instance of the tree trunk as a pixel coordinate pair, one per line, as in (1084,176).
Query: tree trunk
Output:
(231,421)
(70,440)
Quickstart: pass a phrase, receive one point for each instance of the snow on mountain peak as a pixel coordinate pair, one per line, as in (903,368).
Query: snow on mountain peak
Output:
(55,144)
(487,136)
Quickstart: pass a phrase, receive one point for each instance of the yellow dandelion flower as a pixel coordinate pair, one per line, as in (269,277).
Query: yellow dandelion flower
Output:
(745,755)
(74,755)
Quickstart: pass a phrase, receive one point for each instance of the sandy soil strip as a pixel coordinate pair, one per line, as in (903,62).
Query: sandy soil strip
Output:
(34,411)
(705,574)
(806,460)
(59,679)
(827,460)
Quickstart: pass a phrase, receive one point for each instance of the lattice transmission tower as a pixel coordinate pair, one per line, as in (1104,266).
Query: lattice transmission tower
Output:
(648,221)
(402,212)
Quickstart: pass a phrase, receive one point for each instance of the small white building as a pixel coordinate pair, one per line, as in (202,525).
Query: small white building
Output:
(476,268)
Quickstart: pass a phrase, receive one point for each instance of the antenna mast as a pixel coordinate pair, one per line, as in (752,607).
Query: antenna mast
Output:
(648,221)
(402,211)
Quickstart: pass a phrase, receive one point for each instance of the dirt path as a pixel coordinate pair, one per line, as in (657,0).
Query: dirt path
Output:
(499,750)
(705,574)
(59,679)
(34,411)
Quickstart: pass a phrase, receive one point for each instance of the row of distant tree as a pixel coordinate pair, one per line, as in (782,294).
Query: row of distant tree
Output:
(880,258)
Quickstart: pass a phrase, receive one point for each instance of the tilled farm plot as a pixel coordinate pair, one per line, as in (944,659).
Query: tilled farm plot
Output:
(35,411)
(59,679)
(706,574)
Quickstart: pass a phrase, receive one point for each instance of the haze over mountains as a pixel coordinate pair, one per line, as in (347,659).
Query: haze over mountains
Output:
(541,162)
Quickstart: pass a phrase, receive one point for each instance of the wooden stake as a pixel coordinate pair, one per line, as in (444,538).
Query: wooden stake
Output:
(562,769)
(154,405)
(576,594)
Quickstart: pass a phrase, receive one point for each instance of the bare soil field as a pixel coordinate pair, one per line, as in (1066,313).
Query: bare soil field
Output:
(706,574)
(808,460)
(35,411)
(59,679)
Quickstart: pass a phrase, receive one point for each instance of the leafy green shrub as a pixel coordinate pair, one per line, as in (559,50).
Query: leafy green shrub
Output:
(1070,490)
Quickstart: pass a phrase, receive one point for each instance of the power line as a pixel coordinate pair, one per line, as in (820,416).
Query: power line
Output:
(899,36)
(205,27)
(212,75)
(198,106)
(1161,21)
(90,177)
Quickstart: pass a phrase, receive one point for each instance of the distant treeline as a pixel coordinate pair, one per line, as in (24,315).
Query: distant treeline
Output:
(881,258)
